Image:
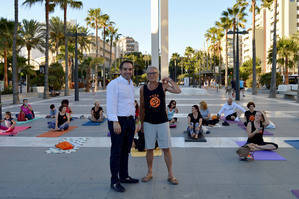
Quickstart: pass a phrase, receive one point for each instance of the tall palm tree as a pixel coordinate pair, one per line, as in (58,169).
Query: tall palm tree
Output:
(93,20)
(112,33)
(237,15)
(175,57)
(295,37)
(49,6)
(6,43)
(64,4)
(226,25)
(267,4)
(32,34)
(14,55)
(56,36)
(219,36)
(104,23)
(286,49)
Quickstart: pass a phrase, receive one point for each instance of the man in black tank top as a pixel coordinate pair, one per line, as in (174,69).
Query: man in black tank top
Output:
(154,121)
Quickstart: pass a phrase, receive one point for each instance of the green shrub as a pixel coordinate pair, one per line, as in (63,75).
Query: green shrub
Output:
(266,79)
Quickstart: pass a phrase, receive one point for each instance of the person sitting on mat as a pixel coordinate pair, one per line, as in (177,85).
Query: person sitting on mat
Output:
(65,103)
(207,120)
(229,110)
(97,113)
(171,110)
(53,112)
(27,110)
(255,131)
(194,122)
(9,123)
(249,115)
(62,120)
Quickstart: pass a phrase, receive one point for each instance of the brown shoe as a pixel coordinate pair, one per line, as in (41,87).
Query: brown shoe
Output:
(173,181)
(146,178)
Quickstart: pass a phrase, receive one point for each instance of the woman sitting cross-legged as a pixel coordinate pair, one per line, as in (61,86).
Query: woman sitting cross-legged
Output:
(62,120)
(194,122)
(97,113)
(255,132)
(207,120)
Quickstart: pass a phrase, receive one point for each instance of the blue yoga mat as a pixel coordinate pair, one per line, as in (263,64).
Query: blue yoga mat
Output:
(24,122)
(90,123)
(293,143)
(263,155)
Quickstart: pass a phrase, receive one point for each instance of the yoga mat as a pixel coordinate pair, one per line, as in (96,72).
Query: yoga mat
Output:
(135,153)
(91,123)
(17,130)
(296,193)
(172,126)
(293,143)
(263,155)
(57,133)
(24,122)
(189,139)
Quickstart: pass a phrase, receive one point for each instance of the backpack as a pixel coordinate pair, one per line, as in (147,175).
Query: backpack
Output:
(243,151)
(21,116)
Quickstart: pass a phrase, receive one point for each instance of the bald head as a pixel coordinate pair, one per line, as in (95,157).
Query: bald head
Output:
(229,101)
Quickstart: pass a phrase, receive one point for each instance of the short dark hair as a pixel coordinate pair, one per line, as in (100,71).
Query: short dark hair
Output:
(25,99)
(249,104)
(60,108)
(123,62)
(65,101)
(52,106)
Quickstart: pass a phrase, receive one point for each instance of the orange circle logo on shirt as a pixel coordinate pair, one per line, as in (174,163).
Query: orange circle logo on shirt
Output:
(155,102)
(251,118)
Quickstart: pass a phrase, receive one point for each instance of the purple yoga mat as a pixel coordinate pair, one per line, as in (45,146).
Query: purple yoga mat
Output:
(296,193)
(263,155)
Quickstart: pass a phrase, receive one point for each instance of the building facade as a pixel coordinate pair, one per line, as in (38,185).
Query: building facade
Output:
(127,45)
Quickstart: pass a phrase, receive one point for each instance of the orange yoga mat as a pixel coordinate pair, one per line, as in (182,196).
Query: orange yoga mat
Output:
(56,133)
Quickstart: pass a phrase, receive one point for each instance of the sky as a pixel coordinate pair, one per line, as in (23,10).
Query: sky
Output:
(188,19)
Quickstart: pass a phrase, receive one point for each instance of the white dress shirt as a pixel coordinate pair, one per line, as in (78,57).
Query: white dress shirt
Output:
(120,98)
(230,109)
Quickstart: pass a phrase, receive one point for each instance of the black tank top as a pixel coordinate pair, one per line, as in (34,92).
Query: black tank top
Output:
(61,119)
(154,105)
(257,138)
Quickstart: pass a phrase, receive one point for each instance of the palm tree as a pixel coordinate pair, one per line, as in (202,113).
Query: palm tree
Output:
(219,36)
(286,49)
(49,6)
(14,55)
(104,23)
(295,37)
(226,25)
(64,5)
(6,42)
(93,20)
(267,4)
(175,58)
(237,15)
(112,33)
(56,35)
(32,34)
(253,9)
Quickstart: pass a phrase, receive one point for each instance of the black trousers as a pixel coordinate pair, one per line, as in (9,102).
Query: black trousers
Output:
(120,148)
(229,117)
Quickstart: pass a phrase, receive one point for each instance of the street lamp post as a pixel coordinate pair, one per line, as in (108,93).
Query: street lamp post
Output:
(237,62)
(76,34)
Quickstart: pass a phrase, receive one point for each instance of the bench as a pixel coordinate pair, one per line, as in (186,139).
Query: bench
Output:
(290,95)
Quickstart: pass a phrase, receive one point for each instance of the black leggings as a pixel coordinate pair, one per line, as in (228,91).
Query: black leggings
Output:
(229,117)
(209,122)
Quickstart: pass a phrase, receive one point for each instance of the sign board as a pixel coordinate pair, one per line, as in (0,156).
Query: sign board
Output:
(216,69)
(186,81)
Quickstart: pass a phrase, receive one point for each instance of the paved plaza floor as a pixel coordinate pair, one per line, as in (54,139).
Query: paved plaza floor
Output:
(209,170)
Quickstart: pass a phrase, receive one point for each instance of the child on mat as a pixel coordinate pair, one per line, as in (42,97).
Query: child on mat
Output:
(27,110)
(62,120)
(9,123)
(53,111)
(171,110)
(65,103)
(97,113)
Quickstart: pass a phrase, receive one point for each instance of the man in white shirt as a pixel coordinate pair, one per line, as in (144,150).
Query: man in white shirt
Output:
(229,110)
(121,124)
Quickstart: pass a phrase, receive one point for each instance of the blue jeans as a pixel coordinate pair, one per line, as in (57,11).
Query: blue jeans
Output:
(191,131)
(52,125)
(120,148)
(29,116)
